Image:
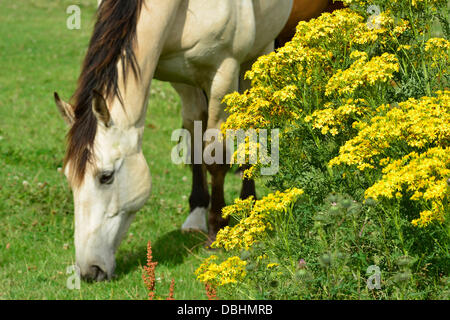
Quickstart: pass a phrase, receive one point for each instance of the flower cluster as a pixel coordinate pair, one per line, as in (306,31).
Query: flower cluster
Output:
(425,176)
(291,83)
(362,73)
(333,118)
(421,126)
(279,78)
(230,271)
(437,51)
(418,123)
(254,219)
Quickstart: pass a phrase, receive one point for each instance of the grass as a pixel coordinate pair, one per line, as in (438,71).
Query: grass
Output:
(39,55)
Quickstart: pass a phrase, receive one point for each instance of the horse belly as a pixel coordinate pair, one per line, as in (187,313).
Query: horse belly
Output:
(208,31)
(199,38)
(270,18)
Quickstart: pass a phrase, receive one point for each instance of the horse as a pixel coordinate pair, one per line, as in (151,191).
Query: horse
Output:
(203,48)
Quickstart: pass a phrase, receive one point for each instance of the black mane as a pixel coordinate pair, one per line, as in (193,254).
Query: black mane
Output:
(112,40)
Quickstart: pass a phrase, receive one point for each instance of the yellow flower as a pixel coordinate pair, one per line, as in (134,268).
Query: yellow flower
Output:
(437,51)
(254,219)
(363,73)
(437,43)
(333,118)
(229,271)
(422,125)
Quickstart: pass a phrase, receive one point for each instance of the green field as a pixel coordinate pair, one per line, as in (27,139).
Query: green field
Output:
(39,55)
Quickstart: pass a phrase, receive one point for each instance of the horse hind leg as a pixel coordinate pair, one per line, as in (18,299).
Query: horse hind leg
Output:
(225,81)
(216,221)
(194,114)
(248,185)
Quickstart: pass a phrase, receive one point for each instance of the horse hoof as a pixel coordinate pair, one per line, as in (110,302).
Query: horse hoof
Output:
(196,221)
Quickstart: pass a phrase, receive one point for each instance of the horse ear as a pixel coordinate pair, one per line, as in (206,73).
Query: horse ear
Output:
(100,108)
(65,109)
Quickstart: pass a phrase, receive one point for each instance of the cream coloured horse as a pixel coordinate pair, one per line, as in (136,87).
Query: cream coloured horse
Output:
(201,46)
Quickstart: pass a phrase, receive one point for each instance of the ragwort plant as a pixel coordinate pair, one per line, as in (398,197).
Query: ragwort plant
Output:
(361,98)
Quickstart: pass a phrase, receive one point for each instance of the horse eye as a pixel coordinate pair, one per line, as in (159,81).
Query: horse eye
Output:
(107,177)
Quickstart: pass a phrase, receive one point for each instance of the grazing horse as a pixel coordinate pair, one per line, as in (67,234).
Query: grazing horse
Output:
(203,47)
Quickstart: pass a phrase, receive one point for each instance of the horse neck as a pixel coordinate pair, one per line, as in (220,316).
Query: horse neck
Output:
(152,28)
